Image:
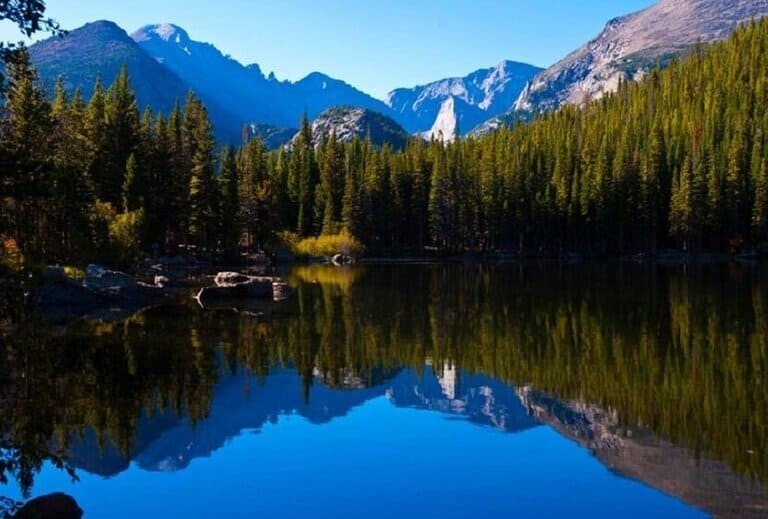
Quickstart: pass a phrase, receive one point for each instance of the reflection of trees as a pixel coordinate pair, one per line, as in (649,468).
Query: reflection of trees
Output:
(683,354)
(100,375)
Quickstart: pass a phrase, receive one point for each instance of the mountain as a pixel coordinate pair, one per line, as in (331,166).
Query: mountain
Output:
(273,136)
(631,45)
(349,122)
(214,77)
(99,50)
(165,64)
(245,90)
(468,100)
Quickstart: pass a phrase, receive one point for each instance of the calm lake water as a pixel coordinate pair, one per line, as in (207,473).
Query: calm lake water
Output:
(409,391)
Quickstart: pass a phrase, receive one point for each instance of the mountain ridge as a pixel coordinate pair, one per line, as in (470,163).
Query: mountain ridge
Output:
(482,94)
(165,63)
(631,45)
(245,89)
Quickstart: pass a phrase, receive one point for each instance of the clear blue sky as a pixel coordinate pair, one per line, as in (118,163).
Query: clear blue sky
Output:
(374,45)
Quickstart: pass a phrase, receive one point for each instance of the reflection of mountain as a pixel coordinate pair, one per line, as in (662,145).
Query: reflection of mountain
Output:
(476,398)
(634,453)
(242,403)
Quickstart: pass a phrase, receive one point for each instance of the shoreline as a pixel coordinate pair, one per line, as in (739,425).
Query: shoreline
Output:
(696,259)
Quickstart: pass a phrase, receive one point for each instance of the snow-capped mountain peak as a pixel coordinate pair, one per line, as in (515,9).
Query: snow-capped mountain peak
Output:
(165,31)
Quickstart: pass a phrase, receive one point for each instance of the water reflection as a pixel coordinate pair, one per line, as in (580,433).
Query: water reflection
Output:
(659,371)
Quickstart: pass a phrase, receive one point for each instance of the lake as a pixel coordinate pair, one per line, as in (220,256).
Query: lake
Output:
(434,390)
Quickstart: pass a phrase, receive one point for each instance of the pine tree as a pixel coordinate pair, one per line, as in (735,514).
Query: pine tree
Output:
(26,144)
(199,143)
(121,127)
(230,199)
(132,186)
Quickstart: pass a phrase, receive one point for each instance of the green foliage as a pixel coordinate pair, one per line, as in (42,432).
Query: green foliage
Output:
(673,161)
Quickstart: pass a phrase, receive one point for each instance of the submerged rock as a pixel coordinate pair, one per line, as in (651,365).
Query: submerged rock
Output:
(234,285)
(51,506)
(101,291)
(248,289)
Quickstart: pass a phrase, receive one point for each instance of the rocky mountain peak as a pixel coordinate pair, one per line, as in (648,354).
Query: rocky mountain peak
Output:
(348,123)
(630,45)
(167,32)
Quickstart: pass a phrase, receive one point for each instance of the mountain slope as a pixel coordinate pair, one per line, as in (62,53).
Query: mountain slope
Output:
(244,89)
(349,122)
(631,45)
(99,50)
(476,97)
(216,77)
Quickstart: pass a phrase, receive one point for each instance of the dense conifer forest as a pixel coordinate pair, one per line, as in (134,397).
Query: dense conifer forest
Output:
(674,161)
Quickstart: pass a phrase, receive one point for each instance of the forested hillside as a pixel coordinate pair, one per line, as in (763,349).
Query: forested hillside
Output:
(675,161)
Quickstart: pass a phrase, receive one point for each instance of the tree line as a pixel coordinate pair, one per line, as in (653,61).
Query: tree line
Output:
(674,161)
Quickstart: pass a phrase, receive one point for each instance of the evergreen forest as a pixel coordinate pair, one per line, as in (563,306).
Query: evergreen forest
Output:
(675,161)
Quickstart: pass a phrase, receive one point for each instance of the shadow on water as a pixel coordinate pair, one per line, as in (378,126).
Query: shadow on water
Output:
(659,371)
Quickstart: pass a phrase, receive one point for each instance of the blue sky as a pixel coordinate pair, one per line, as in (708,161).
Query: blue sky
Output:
(376,46)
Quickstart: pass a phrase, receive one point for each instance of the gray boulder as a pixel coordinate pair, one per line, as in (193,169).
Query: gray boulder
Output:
(231,279)
(341,259)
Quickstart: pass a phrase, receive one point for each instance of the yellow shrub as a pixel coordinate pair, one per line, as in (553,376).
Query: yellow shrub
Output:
(74,272)
(124,235)
(328,245)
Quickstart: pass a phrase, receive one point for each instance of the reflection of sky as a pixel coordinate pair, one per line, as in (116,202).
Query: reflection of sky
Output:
(377,461)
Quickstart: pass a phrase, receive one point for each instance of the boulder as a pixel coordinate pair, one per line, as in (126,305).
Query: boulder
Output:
(93,270)
(106,279)
(341,259)
(230,279)
(250,289)
(102,291)
(50,506)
